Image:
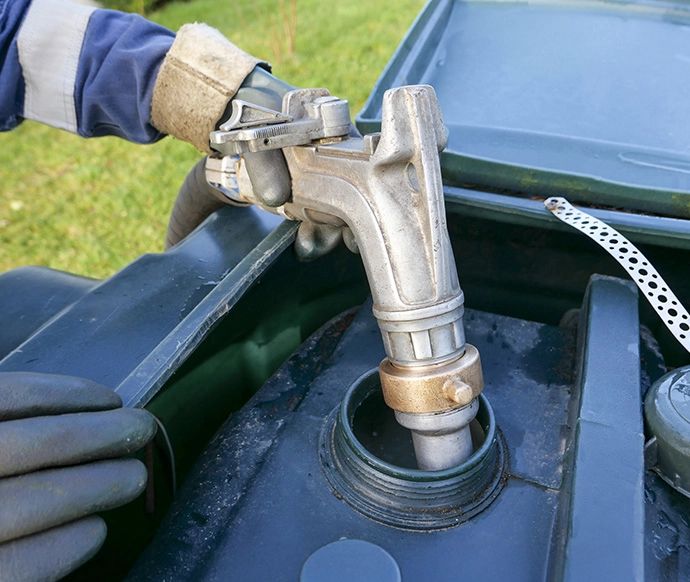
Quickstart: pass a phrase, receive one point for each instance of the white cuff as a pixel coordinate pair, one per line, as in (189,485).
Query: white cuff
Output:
(49,44)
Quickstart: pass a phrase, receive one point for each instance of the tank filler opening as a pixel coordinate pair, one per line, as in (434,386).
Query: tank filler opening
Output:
(369,460)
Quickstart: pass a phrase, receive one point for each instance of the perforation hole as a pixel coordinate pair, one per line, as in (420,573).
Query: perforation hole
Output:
(684,326)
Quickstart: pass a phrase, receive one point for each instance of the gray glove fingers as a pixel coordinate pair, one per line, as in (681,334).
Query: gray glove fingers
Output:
(52,554)
(68,439)
(24,394)
(268,173)
(45,499)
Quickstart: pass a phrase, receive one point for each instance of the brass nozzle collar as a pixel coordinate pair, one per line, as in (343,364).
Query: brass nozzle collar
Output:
(433,388)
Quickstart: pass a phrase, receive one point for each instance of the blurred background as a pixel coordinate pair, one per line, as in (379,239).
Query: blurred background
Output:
(92,206)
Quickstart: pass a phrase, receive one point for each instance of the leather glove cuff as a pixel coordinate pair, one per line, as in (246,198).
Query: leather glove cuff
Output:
(202,71)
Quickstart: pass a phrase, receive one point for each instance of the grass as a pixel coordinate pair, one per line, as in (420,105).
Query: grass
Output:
(92,206)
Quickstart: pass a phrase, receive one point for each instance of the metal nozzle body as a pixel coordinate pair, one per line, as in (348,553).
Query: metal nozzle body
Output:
(384,192)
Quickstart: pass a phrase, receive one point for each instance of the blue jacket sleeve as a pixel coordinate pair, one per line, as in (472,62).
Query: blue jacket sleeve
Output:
(11,81)
(116,68)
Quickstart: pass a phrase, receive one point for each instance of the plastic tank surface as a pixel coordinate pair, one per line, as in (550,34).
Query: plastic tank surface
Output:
(291,466)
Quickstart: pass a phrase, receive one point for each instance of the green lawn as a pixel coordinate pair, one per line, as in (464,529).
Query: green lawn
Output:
(92,206)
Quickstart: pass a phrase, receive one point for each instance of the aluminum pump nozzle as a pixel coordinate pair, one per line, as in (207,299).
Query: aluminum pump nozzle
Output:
(385,192)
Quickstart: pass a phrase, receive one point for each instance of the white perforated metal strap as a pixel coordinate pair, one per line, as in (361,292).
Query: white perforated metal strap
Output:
(49,44)
(654,288)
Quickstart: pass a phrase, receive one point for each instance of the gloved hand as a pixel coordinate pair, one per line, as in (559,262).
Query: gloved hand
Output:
(267,171)
(269,174)
(59,439)
(200,76)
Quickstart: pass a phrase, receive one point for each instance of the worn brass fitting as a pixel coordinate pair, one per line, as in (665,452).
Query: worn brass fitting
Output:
(433,388)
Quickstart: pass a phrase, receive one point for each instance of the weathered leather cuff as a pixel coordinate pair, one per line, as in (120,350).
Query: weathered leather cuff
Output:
(202,71)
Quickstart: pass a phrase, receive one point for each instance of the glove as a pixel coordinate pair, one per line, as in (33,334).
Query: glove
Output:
(200,76)
(269,174)
(59,439)
(192,96)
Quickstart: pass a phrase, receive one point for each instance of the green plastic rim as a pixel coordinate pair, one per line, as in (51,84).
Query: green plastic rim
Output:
(403,497)
(363,388)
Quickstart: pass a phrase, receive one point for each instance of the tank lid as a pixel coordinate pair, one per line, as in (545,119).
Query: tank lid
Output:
(558,97)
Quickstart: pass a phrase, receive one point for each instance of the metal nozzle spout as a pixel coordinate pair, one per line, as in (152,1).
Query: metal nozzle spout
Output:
(441,439)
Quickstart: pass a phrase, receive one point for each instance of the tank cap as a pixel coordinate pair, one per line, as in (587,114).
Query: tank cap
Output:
(667,411)
(350,561)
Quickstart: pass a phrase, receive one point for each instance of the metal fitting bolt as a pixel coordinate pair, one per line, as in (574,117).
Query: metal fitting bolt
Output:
(458,391)
(434,388)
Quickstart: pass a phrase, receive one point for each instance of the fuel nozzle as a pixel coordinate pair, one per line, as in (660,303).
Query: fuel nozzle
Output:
(386,194)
